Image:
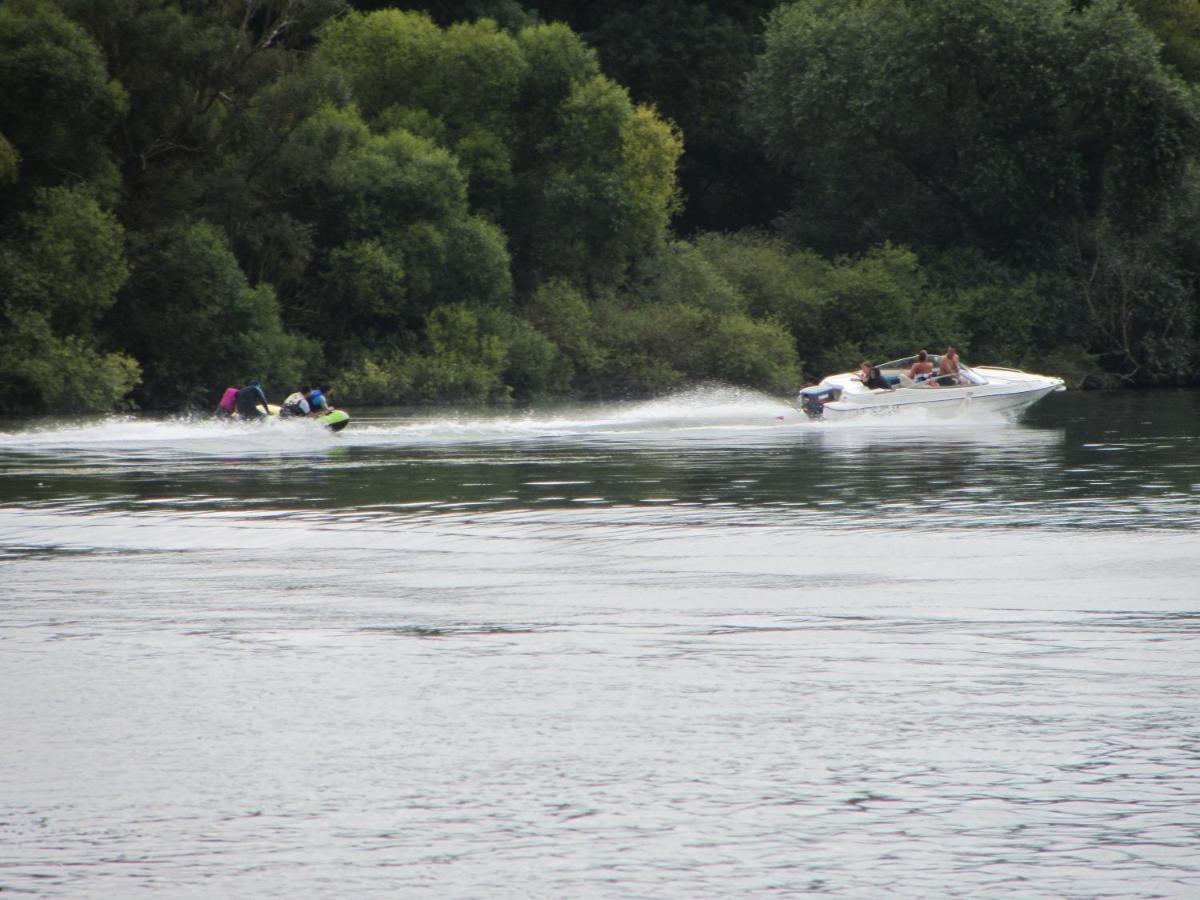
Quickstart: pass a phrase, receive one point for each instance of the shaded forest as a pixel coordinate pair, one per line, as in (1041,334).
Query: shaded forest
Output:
(496,201)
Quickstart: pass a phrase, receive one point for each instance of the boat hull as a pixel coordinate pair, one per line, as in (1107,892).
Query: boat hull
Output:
(1009,403)
(983,389)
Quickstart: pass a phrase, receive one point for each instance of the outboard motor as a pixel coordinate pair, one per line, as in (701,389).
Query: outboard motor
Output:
(813,399)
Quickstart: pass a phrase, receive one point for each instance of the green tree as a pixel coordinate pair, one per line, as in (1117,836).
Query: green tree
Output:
(534,367)
(458,83)
(580,180)
(678,320)
(57,103)
(775,280)
(1177,24)
(992,122)
(1138,306)
(10,162)
(599,193)
(1003,309)
(462,361)
(392,234)
(60,269)
(212,88)
(689,59)
(510,14)
(560,311)
(191,319)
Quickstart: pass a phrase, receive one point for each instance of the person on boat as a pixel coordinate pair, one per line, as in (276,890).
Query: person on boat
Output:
(249,400)
(948,367)
(297,403)
(871,377)
(921,369)
(318,400)
(228,402)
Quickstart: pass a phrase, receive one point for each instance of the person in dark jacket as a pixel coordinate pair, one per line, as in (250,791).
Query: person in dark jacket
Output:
(871,377)
(249,399)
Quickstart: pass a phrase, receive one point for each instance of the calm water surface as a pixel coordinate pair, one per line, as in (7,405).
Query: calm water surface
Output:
(696,647)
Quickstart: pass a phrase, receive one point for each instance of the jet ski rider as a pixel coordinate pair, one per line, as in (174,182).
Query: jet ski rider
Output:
(297,404)
(249,400)
(318,400)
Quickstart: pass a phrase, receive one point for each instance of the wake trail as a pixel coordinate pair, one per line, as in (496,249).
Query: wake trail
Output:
(721,413)
(697,408)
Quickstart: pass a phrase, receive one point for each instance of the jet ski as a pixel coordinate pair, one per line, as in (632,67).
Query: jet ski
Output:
(334,420)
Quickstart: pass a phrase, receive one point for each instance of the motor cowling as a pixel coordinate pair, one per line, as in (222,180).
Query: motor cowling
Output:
(813,399)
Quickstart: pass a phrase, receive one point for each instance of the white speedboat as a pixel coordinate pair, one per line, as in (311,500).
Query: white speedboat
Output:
(980,388)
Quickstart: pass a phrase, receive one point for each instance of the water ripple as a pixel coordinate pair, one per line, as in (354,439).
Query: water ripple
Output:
(670,649)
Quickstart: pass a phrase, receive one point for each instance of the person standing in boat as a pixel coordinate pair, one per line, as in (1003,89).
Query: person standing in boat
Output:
(252,402)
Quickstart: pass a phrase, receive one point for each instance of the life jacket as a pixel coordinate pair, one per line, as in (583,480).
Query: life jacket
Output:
(296,404)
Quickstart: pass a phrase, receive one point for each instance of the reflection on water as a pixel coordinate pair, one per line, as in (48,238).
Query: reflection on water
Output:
(695,647)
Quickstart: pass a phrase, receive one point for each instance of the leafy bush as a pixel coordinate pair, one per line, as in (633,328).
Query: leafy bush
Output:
(60,270)
(44,371)
(195,325)
(371,382)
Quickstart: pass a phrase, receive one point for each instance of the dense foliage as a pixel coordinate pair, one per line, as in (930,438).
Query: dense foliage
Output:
(489,200)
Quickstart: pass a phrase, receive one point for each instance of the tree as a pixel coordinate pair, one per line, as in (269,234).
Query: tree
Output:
(392,233)
(878,305)
(600,191)
(1137,304)
(689,59)
(1177,24)
(57,102)
(60,269)
(189,316)
(10,162)
(212,87)
(993,122)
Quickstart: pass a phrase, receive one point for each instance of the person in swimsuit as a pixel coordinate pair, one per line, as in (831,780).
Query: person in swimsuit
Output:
(948,367)
(921,369)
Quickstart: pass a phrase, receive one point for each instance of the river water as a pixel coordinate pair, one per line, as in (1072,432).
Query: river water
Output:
(696,647)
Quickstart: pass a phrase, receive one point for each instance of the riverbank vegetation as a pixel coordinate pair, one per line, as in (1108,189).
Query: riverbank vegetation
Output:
(488,200)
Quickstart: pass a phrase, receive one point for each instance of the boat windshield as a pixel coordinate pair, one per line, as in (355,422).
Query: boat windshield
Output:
(967,375)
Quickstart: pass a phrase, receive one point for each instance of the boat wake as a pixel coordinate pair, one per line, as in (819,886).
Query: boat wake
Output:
(709,409)
(713,413)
